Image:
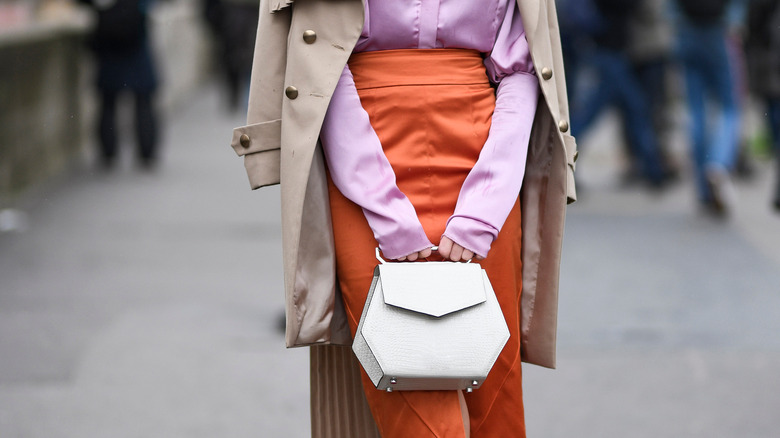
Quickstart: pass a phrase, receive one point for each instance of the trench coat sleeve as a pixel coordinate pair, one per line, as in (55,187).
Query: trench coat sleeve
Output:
(259,142)
(280,145)
(338,406)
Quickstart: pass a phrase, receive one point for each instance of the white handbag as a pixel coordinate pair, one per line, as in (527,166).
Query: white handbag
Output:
(429,326)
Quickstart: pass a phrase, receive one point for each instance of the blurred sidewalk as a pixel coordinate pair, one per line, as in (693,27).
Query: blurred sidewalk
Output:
(146,305)
(668,323)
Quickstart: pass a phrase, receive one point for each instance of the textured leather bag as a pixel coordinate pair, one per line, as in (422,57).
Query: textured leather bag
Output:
(429,326)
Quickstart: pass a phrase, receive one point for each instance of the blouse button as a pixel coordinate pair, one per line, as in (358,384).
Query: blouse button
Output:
(291,92)
(563,125)
(547,73)
(309,36)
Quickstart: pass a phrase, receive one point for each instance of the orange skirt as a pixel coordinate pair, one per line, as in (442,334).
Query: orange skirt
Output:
(432,110)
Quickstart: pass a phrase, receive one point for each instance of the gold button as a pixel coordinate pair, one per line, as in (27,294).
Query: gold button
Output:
(576,155)
(309,36)
(244,140)
(563,125)
(546,73)
(291,92)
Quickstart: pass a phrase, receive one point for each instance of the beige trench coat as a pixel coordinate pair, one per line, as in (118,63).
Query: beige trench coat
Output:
(300,52)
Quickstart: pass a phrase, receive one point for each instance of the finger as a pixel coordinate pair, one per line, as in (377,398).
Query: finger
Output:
(425,253)
(445,246)
(412,257)
(467,255)
(457,252)
(401,259)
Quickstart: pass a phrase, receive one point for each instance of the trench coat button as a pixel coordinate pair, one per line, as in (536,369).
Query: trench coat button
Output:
(547,73)
(309,36)
(291,92)
(563,125)
(576,155)
(244,140)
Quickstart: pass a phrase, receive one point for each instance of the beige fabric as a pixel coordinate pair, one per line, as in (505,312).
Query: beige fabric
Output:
(283,148)
(338,405)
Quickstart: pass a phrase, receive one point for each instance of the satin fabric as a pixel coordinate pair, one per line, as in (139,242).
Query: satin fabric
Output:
(493,28)
(432,115)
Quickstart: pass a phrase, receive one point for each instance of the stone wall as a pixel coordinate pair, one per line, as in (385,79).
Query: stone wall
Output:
(40,124)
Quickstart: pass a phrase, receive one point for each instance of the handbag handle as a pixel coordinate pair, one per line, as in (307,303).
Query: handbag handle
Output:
(383,261)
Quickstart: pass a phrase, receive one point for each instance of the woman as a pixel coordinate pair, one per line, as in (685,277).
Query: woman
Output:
(123,49)
(299,72)
(703,52)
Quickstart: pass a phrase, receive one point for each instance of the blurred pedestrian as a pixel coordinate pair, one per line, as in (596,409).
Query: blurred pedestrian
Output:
(121,43)
(736,29)
(419,149)
(617,85)
(763,55)
(708,74)
(234,24)
(579,20)
(650,50)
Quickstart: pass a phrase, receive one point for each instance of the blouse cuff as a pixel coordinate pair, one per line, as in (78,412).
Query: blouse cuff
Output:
(399,241)
(472,234)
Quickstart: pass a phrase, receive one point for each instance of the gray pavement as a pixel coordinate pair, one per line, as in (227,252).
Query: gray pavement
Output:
(146,305)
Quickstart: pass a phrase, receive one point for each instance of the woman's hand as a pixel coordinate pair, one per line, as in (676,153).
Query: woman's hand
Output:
(451,250)
(416,255)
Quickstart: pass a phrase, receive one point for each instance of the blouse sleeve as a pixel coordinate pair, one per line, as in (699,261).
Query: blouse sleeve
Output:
(493,185)
(361,171)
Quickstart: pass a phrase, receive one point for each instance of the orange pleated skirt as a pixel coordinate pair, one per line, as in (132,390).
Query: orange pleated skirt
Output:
(432,110)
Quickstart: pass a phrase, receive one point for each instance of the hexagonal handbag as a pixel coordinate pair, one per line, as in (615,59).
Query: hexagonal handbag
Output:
(429,326)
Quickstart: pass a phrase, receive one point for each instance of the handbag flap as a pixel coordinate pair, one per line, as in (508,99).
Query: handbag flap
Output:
(433,288)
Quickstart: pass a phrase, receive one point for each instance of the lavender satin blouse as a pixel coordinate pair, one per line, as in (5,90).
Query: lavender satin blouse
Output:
(354,154)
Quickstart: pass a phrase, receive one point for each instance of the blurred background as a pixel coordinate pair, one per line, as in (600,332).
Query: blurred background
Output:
(140,280)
